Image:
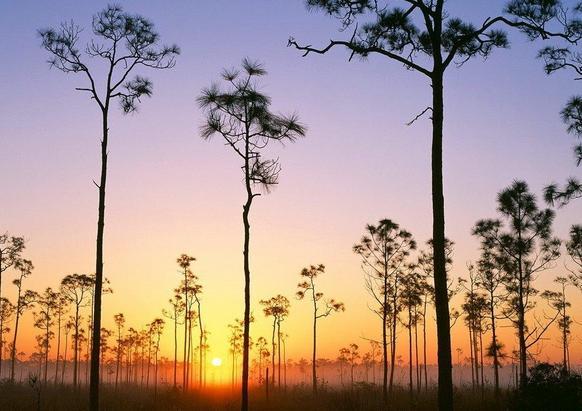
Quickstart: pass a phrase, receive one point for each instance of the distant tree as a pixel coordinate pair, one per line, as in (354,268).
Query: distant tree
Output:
(77,289)
(278,308)
(156,327)
(559,302)
(69,325)
(263,354)
(44,319)
(6,313)
(60,309)
(410,299)
(235,344)
(24,301)
(308,288)
(526,247)
(125,43)
(353,355)
(242,115)
(474,308)
(177,310)
(185,261)
(119,320)
(11,249)
(384,250)
(490,278)
(105,335)
(413,32)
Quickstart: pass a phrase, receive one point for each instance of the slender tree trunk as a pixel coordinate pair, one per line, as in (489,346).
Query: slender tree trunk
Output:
(47,345)
(59,317)
(445,387)
(247,274)
(13,351)
(96,337)
(521,327)
(186,315)
(393,339)
(471,348)
(65,357)
(279,355)
(201,344)
(385,340)
(494,346)
(272,352)
(175,346)
(410,352)
(482,368)
(314,353)
(418,380)
(424,344)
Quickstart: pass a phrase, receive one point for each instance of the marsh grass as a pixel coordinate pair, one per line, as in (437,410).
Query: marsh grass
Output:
(25,397)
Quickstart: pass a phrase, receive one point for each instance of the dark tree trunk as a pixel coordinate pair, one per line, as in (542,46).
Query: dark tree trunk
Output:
(175,346)
(96,334)
(200,344)
(384,353)
(410,352)
(494,346)
(247,294)
(314,354)
(445,386)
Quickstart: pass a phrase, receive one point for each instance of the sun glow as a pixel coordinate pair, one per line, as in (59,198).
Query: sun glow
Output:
(216,362)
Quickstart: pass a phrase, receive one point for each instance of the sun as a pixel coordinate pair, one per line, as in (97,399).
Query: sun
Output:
(216,362)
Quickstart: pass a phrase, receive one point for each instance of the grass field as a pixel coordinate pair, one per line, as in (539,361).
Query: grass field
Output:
(15,397)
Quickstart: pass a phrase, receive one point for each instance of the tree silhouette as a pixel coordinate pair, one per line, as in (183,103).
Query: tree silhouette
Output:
(184,261)
(474,308)
(60,309)
(176,312)
(119,320)
(242,115)
(278,308)
(25,300)
(156,329)
(411,32)
(11,249)
(526,248)
(125,43)
(410,298)
(555,59)
(47,303)
(384,250)
(559,302)
(77,288)
(235,339)
(6,312)
(308,288)
(490,277)
(574,248)
(263,353)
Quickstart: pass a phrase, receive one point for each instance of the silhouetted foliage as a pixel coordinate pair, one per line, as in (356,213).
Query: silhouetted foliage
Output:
(549,388)
(424,37)
(242,115)
(125,43)
(525,247)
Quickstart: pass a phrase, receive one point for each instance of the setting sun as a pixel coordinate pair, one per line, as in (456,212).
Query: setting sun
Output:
(216,362)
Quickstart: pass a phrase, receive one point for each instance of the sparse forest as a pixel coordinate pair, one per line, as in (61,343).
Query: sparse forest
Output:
(437,331)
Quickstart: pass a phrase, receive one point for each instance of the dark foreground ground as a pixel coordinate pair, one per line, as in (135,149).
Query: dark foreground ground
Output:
(21,397)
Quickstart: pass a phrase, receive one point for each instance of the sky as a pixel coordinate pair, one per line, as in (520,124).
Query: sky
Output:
(169,192)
